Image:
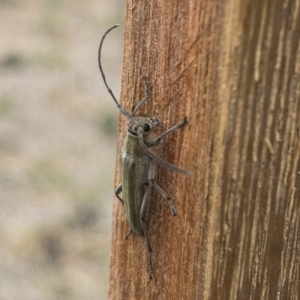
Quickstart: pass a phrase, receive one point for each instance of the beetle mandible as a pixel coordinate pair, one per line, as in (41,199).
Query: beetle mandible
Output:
(138,163)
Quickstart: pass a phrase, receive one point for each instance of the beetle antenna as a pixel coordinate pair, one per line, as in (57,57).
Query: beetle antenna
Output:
(158,159)
(121,108)
(147,87)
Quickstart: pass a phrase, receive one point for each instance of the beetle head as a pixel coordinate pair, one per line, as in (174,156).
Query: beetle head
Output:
(147,124)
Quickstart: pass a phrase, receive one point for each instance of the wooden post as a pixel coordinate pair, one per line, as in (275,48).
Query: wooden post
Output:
(233,68)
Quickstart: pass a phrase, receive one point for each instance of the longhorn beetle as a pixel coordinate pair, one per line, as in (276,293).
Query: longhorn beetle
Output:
(138,164)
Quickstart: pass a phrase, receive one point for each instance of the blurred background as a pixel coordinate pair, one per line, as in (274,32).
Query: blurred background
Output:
(58,129)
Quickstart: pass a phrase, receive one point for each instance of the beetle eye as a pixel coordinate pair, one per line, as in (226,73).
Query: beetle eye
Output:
(146,127)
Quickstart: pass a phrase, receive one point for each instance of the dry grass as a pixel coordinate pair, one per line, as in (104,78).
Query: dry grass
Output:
(57,147)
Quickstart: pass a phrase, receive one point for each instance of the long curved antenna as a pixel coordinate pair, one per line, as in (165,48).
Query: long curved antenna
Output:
(158,159)
(147,86)
(121,108)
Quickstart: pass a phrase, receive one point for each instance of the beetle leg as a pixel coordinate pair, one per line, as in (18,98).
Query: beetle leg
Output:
(158,139)
(142,219)
(118,191)
(128,234)
(159,189)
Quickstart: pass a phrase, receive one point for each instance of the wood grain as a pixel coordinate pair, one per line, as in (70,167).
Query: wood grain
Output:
(233,68)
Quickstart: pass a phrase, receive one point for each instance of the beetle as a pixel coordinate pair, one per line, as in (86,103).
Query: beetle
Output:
(138,163)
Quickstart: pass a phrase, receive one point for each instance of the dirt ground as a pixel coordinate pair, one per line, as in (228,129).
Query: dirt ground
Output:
(58,129)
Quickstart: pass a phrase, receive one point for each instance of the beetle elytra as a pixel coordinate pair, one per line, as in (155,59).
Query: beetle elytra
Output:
(138,163)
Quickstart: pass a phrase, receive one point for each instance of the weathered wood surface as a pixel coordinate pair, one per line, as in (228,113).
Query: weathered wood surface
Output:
(232,67)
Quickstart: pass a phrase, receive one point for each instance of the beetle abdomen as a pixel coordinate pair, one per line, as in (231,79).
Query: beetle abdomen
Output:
(135,182)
